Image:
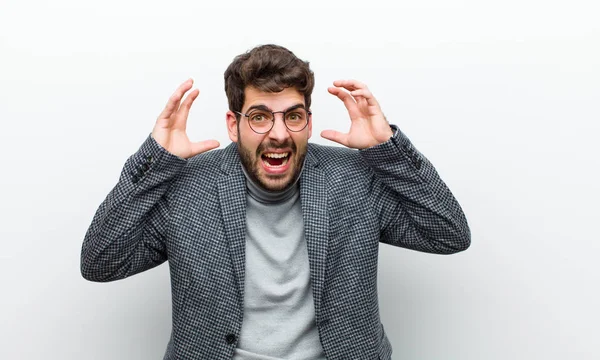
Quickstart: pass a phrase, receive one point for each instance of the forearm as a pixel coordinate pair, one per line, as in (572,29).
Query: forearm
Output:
(417,209)
(126,233)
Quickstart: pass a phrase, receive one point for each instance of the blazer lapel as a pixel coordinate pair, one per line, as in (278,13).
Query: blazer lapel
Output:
(313,196)
(232,195)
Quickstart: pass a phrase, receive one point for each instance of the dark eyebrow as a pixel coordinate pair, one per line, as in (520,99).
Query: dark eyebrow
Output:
(294,107)
(265,108)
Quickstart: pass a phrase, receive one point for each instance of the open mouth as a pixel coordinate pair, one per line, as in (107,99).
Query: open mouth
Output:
(275,160)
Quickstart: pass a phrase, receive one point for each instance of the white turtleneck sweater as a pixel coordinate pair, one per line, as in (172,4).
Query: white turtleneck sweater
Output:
(279,314)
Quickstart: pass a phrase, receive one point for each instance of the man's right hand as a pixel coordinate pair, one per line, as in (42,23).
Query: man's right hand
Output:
(169,130)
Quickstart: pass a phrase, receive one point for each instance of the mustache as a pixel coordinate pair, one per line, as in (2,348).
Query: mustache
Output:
(274,145)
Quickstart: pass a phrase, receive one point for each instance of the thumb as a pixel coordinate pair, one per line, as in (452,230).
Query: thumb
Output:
(204,146)
(335,136)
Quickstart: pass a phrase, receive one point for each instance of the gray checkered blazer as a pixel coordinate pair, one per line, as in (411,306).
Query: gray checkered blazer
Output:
(192,213)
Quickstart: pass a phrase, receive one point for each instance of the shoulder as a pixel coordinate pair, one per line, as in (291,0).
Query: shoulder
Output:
(211,159)
(334,155)
(209,166)
(338,161)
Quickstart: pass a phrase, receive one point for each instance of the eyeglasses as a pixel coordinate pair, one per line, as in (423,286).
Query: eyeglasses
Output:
(262,121)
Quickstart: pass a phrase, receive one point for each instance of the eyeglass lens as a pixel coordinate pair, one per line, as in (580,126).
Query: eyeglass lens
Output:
(262,121)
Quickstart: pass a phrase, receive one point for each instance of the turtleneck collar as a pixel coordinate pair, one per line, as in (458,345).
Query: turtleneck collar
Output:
(260,194)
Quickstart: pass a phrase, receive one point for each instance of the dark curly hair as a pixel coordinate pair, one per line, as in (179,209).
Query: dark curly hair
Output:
(269,68)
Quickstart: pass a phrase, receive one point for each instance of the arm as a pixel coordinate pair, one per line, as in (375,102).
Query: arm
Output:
(128,232)
(415,208)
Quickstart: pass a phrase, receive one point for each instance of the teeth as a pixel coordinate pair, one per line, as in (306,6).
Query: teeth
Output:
(276,156)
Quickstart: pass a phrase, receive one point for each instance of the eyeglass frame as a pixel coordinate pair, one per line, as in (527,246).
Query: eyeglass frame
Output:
(261,108)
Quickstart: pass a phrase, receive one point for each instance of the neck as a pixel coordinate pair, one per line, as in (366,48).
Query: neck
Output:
(263,195)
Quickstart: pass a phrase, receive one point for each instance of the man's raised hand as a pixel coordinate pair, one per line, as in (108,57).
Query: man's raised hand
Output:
(169,130)
(368,125)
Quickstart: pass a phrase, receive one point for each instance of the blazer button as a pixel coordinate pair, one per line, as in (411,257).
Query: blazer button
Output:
(418,164)
(230,338)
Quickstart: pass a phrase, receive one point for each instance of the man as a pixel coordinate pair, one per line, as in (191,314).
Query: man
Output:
(272,241)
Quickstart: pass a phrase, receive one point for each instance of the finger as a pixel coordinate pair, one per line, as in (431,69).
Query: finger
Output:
(204,146)
(348,101)
(350,85)
(367,95)
(184,109)
(175,99)
(335,136)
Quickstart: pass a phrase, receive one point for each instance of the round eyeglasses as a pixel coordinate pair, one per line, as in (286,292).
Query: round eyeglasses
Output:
(262,121)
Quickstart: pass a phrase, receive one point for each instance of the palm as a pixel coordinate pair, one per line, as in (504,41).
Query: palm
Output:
(170,128)
(368,126)
(175,141)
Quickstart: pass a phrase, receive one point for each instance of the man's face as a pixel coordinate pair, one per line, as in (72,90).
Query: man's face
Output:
(274,159)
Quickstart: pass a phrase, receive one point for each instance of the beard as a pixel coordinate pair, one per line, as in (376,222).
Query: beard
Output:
(251,163)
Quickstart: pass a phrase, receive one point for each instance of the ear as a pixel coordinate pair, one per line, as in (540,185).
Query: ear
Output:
(232,130)
(309,126)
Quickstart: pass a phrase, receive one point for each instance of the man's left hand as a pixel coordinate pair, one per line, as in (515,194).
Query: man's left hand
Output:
(368,125)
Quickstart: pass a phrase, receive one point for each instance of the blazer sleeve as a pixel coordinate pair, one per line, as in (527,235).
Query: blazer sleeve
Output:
(127,233)
(415,207)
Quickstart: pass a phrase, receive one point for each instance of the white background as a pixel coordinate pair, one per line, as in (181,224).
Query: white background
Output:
(503,97)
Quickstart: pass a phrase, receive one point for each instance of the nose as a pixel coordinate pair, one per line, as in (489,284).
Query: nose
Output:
(279,132)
